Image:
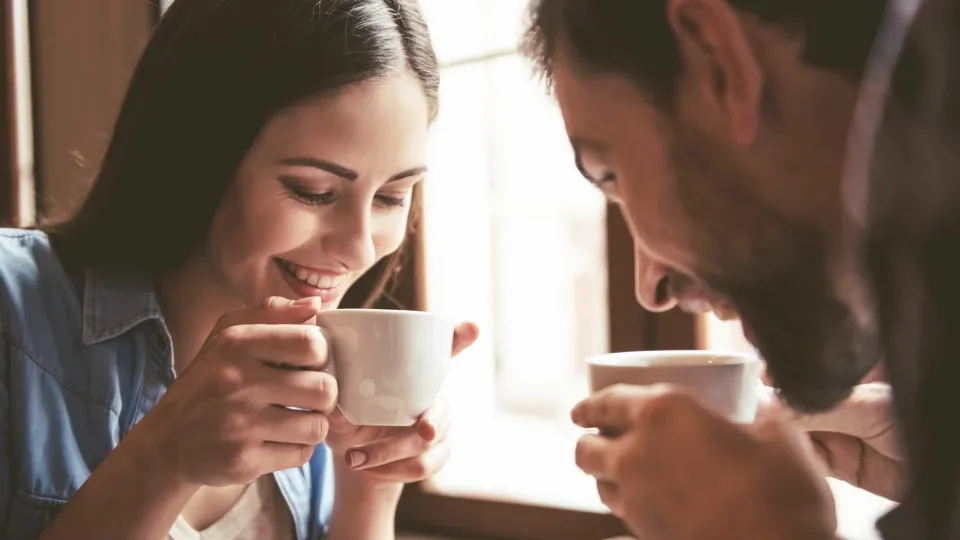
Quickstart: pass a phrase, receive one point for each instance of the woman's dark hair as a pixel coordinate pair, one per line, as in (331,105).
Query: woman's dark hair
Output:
(214,72)
(633,37)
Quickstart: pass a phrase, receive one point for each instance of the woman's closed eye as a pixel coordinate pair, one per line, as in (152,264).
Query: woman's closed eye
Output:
(328,197)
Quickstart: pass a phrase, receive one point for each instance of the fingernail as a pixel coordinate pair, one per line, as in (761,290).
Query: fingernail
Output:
(356,458)
(306,301)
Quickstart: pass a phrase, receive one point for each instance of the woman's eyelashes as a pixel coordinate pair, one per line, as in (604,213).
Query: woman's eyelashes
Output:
(312,198)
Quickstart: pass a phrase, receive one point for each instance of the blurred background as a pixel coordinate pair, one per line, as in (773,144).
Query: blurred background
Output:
(512,238)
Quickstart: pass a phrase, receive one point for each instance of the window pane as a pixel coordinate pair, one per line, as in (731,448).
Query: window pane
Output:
(549,258)
(469,28)
(457,233)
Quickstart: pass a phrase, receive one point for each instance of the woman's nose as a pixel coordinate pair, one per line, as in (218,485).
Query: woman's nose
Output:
(349,237)
(652,286)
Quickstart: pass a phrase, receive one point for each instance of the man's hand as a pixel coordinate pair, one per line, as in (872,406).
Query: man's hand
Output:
(674,470)
(857,440)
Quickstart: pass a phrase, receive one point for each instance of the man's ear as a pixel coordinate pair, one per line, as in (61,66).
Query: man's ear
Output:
(719,62)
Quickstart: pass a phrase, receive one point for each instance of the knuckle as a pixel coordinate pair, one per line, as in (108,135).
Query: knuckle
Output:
(317,428)
(619,466)
(419,468)
(229,337)
(234,425)
(666,407)
(579,455)
(242,462)
(229,380)
(327,390)
(306,453)
(313,342)
(272,302)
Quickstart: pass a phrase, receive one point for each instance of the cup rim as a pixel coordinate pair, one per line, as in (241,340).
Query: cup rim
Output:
(386,312)
(688,358)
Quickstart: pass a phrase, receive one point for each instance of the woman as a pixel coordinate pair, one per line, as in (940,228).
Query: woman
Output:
(264,150)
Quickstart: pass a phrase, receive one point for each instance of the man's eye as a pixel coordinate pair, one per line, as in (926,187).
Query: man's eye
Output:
(608,185)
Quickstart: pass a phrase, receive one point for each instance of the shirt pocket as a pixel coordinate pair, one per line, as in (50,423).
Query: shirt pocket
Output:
(29,515)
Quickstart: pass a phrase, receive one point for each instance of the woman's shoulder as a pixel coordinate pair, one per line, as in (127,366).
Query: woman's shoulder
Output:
(26,258)
(32,281)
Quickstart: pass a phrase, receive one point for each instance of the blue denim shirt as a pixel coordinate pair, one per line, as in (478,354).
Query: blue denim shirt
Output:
(82,359)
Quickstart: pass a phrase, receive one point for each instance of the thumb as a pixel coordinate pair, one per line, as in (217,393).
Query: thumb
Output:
(273,310)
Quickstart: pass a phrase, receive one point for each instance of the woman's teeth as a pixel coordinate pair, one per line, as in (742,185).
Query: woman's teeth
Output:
(312,278)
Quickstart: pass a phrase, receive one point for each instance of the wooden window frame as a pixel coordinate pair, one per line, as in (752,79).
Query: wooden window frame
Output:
(82,55)
(9,169)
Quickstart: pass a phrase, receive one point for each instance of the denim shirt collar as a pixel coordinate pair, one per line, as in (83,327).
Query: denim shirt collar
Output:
(115,304)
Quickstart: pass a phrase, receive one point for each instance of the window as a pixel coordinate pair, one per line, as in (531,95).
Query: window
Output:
(521,250)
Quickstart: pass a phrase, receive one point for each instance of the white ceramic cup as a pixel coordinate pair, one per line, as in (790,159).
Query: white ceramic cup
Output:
(727,383)
(389,365)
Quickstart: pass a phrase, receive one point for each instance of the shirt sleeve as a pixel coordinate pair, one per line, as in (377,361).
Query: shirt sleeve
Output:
(5,478)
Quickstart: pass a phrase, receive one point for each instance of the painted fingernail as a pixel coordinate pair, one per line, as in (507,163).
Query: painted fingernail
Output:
(356,458)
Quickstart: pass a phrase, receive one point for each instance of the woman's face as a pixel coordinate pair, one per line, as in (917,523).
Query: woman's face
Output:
(323,193)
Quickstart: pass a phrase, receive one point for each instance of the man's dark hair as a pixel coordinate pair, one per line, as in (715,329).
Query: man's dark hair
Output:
(633,37)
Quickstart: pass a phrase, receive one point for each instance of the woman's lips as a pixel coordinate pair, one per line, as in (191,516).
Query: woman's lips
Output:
(306,282)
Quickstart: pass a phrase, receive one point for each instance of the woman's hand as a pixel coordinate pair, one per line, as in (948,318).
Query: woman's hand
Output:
(857,440)
(398,454)
(373,463)
(226,418)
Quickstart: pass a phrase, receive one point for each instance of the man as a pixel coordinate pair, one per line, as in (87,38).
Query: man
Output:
(720,127)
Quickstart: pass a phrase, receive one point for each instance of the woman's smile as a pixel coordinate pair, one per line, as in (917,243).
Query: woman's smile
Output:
(329,285)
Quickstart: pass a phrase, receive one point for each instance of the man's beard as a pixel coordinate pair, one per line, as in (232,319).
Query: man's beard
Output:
(774,272)
(815,350)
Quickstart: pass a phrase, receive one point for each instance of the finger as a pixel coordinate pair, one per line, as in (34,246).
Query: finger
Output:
(594,455)
(294,345)
(435,423)
(613,408)
(609,495)
(866,414)
(413,469)
(339,425)
(282,456)
(273,310)
(309,390)
(464,335)
(388,450)
(279,425)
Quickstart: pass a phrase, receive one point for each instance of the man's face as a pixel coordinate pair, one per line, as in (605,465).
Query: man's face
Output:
(743,227)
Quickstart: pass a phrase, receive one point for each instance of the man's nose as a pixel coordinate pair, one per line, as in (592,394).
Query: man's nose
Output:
(652,286)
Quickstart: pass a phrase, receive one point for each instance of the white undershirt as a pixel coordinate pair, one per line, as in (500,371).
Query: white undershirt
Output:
(260,514)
